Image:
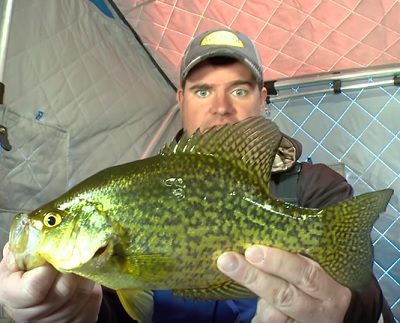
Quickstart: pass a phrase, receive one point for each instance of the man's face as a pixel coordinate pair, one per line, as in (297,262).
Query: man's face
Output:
(215,95)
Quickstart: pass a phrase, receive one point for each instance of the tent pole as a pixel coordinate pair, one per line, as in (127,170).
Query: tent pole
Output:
(5,22)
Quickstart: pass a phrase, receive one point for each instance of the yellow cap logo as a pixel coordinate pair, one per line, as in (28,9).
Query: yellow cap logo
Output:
(222,37)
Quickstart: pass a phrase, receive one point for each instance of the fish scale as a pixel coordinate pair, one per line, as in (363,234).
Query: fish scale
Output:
(162,222)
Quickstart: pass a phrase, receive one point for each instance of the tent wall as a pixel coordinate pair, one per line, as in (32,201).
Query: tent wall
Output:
(359,128)
(81,95)
(294,37)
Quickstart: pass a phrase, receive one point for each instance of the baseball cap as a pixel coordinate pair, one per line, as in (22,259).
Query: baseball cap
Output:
(223,42)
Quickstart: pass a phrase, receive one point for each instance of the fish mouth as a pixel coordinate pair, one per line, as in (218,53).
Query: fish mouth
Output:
(101,250)
(24,242)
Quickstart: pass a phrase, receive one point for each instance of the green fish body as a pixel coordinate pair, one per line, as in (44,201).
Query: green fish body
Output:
(161,223)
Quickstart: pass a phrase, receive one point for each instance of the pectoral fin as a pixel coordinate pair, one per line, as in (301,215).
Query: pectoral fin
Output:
(138,304)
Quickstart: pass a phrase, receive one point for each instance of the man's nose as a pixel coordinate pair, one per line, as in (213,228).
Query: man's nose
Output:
(222,104)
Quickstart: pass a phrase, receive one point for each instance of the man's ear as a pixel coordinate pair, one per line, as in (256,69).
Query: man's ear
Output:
(263,98)
(179,97)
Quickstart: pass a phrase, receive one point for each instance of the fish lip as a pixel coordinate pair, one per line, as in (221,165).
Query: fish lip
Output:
(17,230)
(24,241)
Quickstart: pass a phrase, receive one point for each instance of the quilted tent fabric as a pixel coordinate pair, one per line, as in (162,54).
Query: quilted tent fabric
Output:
(81,95)
(294,37)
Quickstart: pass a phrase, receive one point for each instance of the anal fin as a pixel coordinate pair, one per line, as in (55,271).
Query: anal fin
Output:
(139,304)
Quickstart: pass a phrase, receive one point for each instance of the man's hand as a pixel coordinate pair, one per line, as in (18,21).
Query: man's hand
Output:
(291,287)
(45,295)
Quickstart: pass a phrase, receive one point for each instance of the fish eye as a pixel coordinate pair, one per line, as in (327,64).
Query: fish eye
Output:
(52,219)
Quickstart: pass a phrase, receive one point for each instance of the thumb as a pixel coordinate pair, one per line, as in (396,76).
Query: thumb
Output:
(9,258)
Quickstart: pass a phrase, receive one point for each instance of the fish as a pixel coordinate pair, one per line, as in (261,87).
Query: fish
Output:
(160,223)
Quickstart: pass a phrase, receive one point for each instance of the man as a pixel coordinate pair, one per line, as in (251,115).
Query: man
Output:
(221,82)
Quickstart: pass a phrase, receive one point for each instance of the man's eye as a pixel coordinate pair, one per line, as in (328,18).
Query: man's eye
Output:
(240,92)
(202,93)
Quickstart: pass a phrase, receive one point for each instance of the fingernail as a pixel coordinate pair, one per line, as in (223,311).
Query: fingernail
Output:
(254,254)
(227,263)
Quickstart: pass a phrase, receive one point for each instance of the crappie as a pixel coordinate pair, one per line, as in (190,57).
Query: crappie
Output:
(161,222)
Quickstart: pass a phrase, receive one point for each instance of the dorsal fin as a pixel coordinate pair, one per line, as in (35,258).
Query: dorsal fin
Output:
(251,144)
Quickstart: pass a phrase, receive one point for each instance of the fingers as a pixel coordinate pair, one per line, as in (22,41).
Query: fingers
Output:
(43,294)
(38,284)
(90,312)
(268,313)
(22,288)
(8,258)
(291,284)
(308,276)
(6,250)
(65,289)
(68,295)
(279,292)
(84,303)
(34,285)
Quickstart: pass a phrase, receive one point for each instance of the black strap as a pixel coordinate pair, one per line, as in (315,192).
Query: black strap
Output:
(1,93)
(4,143)
(286,184)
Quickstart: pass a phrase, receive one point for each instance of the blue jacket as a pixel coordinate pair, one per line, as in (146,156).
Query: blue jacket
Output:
(169,308)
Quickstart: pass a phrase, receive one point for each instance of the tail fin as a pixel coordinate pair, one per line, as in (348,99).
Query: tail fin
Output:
(346,251)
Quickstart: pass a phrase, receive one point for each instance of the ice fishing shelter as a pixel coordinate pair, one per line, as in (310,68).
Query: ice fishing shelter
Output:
(89,84)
